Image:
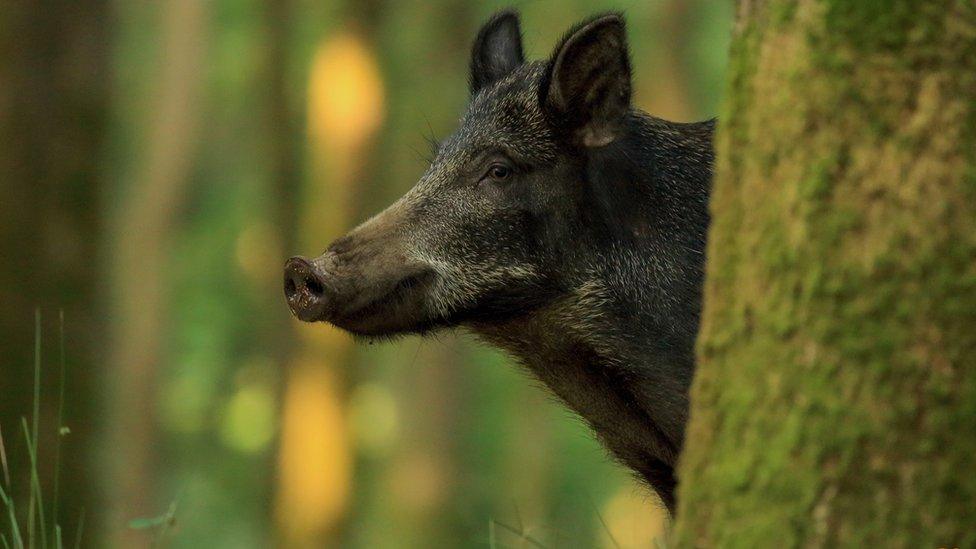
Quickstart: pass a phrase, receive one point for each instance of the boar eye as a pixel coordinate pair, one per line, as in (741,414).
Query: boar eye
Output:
(498,172)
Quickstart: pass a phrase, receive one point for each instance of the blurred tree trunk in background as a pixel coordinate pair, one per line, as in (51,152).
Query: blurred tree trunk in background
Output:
(143,221)
(284,144)
(53,83)
(345,105)
(423,473)
(835,399)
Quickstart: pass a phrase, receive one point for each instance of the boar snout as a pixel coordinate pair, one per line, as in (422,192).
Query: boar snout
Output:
(306,288)
(363,285)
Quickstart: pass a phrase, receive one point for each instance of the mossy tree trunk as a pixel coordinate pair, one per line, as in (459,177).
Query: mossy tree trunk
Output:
(835,401)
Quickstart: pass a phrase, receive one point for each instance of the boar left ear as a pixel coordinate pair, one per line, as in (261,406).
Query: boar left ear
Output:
(586,91)
(497,50)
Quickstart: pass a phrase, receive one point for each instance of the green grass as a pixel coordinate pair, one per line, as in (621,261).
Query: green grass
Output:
(42,530)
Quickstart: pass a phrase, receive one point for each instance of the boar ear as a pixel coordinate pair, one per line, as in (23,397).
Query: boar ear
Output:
(497,50)
(586,91)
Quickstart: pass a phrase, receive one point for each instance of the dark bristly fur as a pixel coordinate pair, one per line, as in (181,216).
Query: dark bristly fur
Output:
(559,223)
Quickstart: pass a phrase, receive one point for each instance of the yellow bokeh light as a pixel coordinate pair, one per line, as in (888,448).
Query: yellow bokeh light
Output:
(249,418)
(374,420)
(315,464)
(345,108)
(345,94)
(257,249)
(633,520)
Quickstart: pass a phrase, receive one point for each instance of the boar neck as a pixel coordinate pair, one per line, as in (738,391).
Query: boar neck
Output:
(617,347)
(634,402)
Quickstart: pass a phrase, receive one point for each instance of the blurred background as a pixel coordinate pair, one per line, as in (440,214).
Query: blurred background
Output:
(158,162)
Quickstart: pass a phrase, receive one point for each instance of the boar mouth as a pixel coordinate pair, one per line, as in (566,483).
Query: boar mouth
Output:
(400,309)
(317,291)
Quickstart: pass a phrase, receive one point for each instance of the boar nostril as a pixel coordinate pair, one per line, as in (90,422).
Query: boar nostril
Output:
(313,286)
(305,289)
(290,287)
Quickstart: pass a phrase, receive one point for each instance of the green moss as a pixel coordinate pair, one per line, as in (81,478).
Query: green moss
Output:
(834,400)
(872,24)
(783,13)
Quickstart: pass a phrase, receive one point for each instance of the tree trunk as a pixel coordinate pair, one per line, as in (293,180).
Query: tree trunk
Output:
(139,251)
(315,457)
(835,401)
(53,115)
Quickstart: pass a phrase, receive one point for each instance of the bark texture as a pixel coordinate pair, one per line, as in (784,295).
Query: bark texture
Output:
(835,401)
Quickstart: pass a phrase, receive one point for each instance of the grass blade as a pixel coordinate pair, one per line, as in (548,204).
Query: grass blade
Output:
(14,528)
(57,437)
(606,528)
(81,528)
(36,496)
(37,373)
(6,544)
(3,461)
(521,534)
(35,419)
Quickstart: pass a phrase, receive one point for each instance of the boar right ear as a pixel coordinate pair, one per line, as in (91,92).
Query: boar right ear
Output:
(497,50)
(586,90)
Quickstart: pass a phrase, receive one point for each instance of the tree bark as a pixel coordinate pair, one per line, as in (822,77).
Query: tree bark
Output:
(835,401)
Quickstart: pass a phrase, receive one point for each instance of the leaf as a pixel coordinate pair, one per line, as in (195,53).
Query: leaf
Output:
(166,519)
